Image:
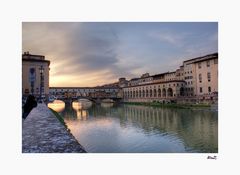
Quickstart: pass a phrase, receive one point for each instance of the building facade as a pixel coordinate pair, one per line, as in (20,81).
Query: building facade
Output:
(93,92)
(35,75)
(194,81)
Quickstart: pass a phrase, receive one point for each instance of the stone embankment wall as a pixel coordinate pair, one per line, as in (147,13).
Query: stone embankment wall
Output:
(43,133)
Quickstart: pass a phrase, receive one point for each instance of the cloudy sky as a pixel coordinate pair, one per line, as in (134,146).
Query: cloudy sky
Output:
(90,54)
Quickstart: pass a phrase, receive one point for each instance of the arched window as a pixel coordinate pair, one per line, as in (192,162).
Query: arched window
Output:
(181,91)
(170,92)
(150,92)
(159,93)
(155,93)
(164,92)
(139,94)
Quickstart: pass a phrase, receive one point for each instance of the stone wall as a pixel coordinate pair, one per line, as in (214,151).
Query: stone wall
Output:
(43,133)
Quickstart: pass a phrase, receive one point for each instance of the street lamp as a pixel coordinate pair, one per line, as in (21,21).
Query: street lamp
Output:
(32,79)
(41,69)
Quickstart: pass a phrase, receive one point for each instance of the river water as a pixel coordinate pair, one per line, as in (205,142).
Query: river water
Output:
(108,128)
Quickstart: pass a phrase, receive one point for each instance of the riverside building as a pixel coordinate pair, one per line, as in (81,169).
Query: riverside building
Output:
(35,75)
(195,81)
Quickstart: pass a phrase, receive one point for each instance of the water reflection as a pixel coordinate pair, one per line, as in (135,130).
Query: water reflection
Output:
(57,105)
(129,128)
(198,129)
(81,109)
(107,105)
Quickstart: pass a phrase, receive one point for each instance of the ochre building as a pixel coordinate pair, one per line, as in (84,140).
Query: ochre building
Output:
(195,81)
(35,75)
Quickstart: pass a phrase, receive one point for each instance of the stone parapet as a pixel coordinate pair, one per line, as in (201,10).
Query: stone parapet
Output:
(43,133)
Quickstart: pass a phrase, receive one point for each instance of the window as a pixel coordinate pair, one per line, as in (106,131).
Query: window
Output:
(209,89)
(209,76)
(208,63)
(26,91)
(215,61)
(199,66)
(200,89)
(191,82)
(200,78)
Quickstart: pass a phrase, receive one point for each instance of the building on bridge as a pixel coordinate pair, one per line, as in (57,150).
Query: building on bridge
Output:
(195,81)
(94,92)
(35,74)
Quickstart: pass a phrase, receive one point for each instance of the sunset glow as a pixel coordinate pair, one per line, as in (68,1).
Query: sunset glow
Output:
(91,54)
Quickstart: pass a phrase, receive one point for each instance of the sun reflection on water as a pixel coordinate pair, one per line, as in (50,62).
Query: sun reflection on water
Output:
(57,105)
(80,108)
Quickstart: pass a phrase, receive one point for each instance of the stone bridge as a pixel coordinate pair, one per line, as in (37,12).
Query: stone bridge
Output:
(93,99)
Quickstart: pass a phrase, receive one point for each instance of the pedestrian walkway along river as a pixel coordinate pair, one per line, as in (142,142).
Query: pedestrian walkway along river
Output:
(43,133)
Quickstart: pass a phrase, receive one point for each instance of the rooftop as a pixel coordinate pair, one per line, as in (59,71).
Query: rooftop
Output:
(26,56)
(202,58)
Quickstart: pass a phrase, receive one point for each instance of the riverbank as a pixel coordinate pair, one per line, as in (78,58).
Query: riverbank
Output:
(169,105)
(45,132)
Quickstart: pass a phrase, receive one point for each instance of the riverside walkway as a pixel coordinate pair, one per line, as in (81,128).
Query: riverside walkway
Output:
(43,133)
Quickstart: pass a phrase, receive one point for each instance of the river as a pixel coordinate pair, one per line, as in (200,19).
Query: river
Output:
(124,128)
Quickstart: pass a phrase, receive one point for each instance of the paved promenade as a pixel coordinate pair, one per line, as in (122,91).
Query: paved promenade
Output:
(43,133)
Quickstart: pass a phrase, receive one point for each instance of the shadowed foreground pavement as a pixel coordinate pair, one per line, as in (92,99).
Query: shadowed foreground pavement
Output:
(43,133)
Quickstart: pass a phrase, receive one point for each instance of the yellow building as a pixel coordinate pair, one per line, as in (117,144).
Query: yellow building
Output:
(204,76)
(195,81)
(35,75)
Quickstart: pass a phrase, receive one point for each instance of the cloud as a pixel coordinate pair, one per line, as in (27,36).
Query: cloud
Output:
(89,54)
(75,48)
(168,37)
